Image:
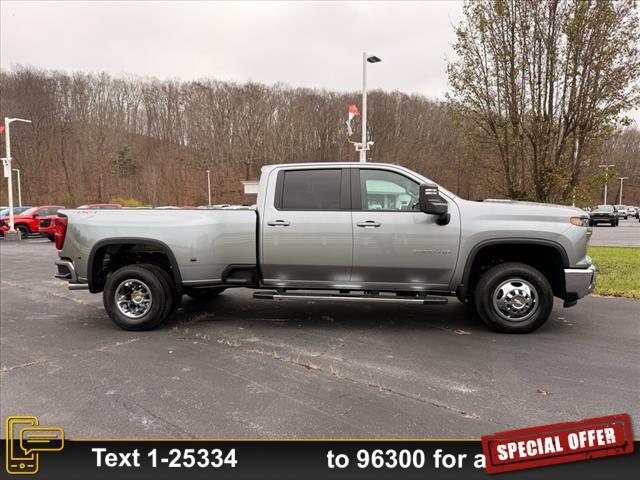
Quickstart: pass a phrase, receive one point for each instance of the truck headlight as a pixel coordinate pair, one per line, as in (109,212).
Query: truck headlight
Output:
(579,221)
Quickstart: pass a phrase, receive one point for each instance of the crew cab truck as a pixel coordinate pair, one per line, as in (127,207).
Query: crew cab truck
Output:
(336,232)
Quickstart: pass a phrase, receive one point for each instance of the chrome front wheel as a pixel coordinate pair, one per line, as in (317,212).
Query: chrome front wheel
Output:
(515,299)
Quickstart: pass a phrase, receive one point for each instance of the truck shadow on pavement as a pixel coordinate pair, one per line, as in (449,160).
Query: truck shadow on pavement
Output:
(294,314)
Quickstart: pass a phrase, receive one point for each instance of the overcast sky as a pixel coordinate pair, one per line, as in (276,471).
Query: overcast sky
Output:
(310,44)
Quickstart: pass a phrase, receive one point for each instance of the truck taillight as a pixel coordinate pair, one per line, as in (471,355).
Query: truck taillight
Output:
(61,231)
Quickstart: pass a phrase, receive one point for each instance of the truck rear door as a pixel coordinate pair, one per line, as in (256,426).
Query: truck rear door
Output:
(307,239)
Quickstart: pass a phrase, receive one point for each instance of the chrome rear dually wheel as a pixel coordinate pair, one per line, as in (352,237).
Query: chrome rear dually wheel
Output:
(137,298)
(133,298)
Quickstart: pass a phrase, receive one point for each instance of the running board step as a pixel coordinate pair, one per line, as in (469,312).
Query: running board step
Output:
(427,300)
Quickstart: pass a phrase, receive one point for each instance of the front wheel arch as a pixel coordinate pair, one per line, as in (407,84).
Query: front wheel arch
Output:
(547,256)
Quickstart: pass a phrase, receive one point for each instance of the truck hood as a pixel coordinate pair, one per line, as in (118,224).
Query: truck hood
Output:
(552,208)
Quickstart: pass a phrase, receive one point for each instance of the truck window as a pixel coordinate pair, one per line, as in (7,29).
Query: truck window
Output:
(383,190)
(311,190)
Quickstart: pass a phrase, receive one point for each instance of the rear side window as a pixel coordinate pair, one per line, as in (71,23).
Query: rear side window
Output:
(311,190)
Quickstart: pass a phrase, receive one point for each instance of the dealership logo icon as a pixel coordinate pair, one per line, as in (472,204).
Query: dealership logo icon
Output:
(26,439)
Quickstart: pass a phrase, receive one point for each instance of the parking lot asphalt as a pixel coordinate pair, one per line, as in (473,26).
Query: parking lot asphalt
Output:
(243,368)
(626,234)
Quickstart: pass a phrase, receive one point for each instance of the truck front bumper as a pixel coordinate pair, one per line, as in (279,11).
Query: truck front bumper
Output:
(579,282)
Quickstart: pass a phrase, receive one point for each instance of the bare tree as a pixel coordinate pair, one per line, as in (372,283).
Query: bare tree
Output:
(541,86)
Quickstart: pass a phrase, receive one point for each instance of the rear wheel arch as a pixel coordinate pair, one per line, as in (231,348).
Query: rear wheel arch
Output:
(129,251)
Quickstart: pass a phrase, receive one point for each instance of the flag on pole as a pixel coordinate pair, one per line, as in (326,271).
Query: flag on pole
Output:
(1,128)
(353,112)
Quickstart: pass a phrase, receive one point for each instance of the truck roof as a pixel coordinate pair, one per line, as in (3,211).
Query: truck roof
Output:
(330,164)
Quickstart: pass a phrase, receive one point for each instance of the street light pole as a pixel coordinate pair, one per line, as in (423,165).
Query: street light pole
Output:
(363,148)
(7,139)
(17,170)
(209,186)
(622,179)
(606,180)
(365,145)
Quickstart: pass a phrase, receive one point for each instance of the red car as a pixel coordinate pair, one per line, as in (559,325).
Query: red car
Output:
(28,222)
(99,206)
(48,227)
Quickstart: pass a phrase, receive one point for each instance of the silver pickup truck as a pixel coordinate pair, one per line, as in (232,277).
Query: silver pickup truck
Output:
(335,232)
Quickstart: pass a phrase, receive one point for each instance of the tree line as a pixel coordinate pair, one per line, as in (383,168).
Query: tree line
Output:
(95,137)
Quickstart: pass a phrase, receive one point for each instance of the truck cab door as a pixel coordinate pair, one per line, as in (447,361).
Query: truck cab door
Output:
(395,245)
(307,240)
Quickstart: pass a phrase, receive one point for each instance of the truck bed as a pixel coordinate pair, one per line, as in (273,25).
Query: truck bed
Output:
(203,242)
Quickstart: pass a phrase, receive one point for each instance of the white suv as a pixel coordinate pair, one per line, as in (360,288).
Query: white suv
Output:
(622,211)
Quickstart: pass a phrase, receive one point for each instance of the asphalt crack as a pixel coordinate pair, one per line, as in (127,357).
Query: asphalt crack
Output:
(23,365)
(297,361)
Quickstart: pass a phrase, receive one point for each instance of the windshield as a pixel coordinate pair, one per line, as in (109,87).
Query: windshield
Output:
(604,208)
(26,211)
(620,206)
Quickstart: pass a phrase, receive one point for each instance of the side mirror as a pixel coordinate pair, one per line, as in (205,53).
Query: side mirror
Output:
(35,215)
(433,204)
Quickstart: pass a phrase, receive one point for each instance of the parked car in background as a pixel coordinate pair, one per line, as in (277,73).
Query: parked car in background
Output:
(99,206)
(604,214)
(621,211)
(632,211)
(4,217)
(28,221)
(48,227)
(16,210)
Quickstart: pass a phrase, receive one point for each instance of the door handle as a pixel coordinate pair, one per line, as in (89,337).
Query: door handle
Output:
(279,223)
(369,224)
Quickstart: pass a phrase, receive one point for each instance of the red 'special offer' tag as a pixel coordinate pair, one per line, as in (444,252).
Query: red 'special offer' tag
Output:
(558,443)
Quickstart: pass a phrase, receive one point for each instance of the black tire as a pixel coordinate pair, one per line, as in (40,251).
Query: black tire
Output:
(613,223)
(24,230)
(158,307)
(489,285)
(204,294)
(170,286)
(52,238)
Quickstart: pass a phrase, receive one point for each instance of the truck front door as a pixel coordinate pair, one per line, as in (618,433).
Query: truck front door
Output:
(307,238)
(395,245)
